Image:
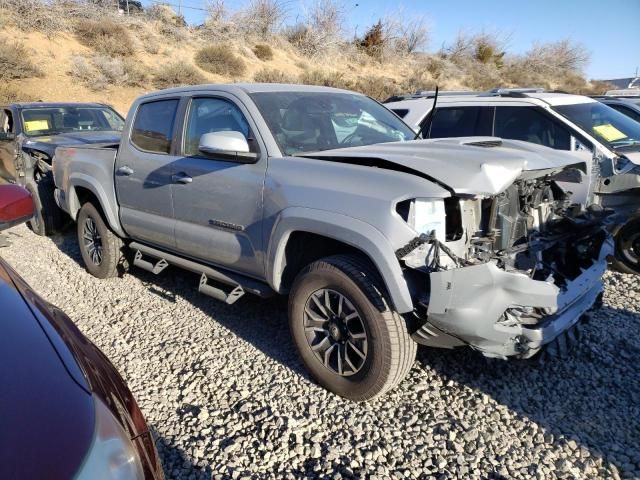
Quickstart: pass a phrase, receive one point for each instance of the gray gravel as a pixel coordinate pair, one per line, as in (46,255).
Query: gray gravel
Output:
(226,396)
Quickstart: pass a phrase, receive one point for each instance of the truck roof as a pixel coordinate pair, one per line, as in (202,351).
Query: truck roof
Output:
(248,88)
(56,104)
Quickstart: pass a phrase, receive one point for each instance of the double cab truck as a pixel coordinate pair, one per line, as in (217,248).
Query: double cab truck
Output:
(381,242)
(29,135)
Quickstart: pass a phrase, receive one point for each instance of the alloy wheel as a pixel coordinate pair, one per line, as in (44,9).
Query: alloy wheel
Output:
(92,241)
(335,332)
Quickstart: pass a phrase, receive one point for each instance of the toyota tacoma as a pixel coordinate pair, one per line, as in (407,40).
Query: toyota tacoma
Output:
(381,242)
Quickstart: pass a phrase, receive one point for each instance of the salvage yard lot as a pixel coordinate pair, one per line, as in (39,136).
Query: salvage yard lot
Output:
(226,396)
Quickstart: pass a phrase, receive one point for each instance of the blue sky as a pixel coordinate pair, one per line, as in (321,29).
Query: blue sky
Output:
(610,30)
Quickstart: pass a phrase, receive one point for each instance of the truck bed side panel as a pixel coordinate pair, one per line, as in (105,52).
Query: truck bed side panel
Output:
(79,169)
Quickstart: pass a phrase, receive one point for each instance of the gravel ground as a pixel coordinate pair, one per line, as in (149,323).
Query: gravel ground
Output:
(226,396)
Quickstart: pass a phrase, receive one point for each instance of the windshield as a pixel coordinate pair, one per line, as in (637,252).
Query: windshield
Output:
(39,121)
(606,124)
(316,121)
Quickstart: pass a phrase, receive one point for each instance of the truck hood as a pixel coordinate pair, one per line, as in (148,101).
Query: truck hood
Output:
(482,166)
(49,143)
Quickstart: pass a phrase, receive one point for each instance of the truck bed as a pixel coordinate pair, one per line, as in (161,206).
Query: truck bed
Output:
(86,168)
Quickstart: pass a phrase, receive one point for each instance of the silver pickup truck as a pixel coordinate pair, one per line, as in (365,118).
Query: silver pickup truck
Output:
(381,241)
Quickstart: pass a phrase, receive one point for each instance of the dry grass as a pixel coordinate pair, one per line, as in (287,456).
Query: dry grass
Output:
(12,93)
(268,75)
(263,52)
(178,74)
(221,60)
(15,62)
(105,37)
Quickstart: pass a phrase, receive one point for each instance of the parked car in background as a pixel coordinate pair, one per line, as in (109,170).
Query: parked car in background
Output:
(629,106)
(67,413)
(29,135)
(607,139)
(381,242)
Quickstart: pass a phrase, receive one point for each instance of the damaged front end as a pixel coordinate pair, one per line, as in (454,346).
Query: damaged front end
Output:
(506,274)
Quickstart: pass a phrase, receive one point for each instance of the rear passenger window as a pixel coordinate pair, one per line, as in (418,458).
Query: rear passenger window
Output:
(530,125)
(153,126)
(462,122)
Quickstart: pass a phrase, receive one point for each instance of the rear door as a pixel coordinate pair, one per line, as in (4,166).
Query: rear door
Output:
(218,200)
(143,174)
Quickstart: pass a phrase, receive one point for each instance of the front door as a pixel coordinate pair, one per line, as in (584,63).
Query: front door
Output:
(218,201)
(143,174)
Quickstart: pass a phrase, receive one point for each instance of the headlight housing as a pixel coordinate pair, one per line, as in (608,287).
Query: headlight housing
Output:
(427,215)
(112,455)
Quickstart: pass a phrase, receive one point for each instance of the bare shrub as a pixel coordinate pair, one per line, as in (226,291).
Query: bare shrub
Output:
(406,34)
(483,47)
(218,25)
(164,14)
(221,60)
(325,78)
(263,51)
(15,62)
(29,15)
(101,72)
(269,75)
(554,57)
(321,30)
(105,37)
(261,17)
(177,74)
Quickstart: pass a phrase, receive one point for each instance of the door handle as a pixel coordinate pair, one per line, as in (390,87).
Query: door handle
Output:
(181,178)
(124,171)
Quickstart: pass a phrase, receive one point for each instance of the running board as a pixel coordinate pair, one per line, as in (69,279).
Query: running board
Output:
(239,283)
(156,268)
(219,294)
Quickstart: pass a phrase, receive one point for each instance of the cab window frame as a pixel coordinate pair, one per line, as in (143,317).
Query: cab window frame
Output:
(252,139)
(172,136)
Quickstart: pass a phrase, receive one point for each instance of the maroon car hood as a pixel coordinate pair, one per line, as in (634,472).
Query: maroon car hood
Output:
(47,419)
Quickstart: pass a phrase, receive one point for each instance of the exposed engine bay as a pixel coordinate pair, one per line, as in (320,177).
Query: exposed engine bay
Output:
(526,260)
(531,227)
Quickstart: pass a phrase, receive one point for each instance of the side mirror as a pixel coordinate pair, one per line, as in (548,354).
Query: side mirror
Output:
(16,206)
(7,136)
(229,144)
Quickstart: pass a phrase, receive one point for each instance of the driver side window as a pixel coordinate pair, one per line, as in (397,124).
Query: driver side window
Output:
(207,115)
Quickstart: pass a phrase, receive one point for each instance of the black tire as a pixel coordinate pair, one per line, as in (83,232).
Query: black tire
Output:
(627,254)
(47,216)
(110,261)
(390,351)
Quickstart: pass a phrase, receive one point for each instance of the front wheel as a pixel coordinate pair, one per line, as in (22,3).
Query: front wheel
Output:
(345,332)
(101,249)
(628,248)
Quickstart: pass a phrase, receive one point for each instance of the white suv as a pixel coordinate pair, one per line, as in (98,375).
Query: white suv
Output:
(561,121)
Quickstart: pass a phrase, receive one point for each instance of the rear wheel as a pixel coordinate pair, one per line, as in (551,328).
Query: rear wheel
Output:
(47,216)
(628,248)
(347,336)
(101,249)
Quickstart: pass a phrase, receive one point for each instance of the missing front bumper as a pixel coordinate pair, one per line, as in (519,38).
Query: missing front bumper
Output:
(467,303)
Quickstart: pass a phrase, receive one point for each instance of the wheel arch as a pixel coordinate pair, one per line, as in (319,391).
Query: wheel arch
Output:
(303,235)
(82,190)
